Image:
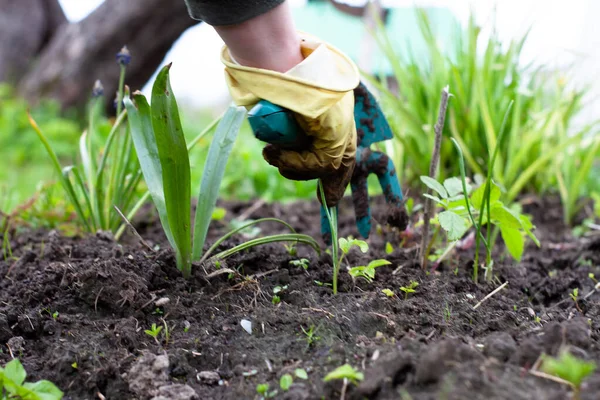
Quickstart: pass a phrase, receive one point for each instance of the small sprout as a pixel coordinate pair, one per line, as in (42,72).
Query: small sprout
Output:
(593,277)
(310,335)
(74,365)
(263,390)
(574,295)
(410,289)
(291,249)
(218,214)
(388,292)
(124,56)
(346,245)
(154,331)
(447,313)
(515,307)
(300,373)
(186,326)
(367,272)
(285,382)
(346,371)
(302,262)
(55,315)
(569,368)
(456,271)
(276,291)
(319,283)
(389,249)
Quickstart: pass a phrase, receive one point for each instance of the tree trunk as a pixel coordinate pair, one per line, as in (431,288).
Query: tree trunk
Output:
(26,26)
(85,51)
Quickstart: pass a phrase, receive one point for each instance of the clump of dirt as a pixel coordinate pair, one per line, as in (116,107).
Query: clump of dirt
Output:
(76,311)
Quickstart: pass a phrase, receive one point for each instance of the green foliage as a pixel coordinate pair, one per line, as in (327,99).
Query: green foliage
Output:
(300,373)
(568,367)
(346,371)
(285,382)
(13,385)
(367,272)
(302,262)
(106,175)
(409,289)
(154,331)
(542,143)
(388,292)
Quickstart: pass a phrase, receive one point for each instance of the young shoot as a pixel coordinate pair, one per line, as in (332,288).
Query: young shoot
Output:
(409,289)
(13,385)
(346,371)
(154,332)
(570,368)
(367,272)
(388,292)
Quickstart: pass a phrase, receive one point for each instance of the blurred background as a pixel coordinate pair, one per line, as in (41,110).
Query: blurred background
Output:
(540,55)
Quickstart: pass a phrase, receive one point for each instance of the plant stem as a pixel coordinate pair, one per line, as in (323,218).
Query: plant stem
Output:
(433,167)
(284,237)
(333,225)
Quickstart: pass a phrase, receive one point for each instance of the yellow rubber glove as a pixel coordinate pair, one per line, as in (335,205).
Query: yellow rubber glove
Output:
(319,91)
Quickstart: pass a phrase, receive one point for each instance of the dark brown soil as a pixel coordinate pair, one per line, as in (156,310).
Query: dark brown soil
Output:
(431,345)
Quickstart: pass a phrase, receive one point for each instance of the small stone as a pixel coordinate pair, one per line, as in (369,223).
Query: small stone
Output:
(247,325)
(162,301)
(16,344)
(208,377)
(500,346)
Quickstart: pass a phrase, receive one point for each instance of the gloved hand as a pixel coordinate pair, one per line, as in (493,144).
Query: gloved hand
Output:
(319,91)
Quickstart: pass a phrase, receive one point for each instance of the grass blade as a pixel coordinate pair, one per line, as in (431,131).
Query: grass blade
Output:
(173,154)
(214,169)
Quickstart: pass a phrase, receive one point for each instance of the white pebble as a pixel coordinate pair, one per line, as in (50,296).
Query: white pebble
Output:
(247,325)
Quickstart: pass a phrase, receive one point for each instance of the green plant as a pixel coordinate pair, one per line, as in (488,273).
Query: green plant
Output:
(300,373)
(574,295)
(367,272)
(105,178)
(409,289)
(302,262)
(570,368)
(388,292)
(285,382)
(310,335)
(163,154)
(154,331)
(486,75)
(346,371)
(389,249)
(13,385)
(263,390)
(277,290)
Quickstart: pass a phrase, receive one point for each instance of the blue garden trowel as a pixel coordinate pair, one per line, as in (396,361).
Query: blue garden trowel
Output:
(276,125)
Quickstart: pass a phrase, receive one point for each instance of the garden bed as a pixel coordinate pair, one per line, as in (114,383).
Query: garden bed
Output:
(82,306)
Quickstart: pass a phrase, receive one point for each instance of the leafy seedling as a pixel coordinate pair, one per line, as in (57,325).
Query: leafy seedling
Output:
(574,296)
(277,290)
(569,368)
(301,373)
(263,390)
(346,371)
(389,249)
(367,272)
(388,292)
(154,331)
(302,262)
(310,335)
(285,382)
(409,289)
(13,385)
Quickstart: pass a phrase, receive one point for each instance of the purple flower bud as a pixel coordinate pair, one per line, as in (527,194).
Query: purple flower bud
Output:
(98,89)
(124,56)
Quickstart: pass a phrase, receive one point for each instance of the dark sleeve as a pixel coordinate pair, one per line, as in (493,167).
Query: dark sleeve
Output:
(228,12)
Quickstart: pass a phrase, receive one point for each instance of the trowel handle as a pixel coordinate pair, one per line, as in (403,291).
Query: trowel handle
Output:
(276,125)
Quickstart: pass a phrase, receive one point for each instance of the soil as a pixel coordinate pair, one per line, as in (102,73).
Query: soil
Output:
(75,311)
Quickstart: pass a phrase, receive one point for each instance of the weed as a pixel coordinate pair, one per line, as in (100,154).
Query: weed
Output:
(13,385)
(568,367)
(367,272)
(263,390)
(303,262)
(346,371)
(409,289)
(277,290)
(154,331)
(310,335)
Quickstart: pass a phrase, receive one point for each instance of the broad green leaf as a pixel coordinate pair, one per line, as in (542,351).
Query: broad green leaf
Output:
(173,154)
(45,390)
(477,198)
(453,224)
(378,263)
(214,169)
(301,373)
(514,241)
(285,382)
(345,371)
(346,245)
(15,372)
(142,133)
(505,217)
(454,186)
(435,186)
